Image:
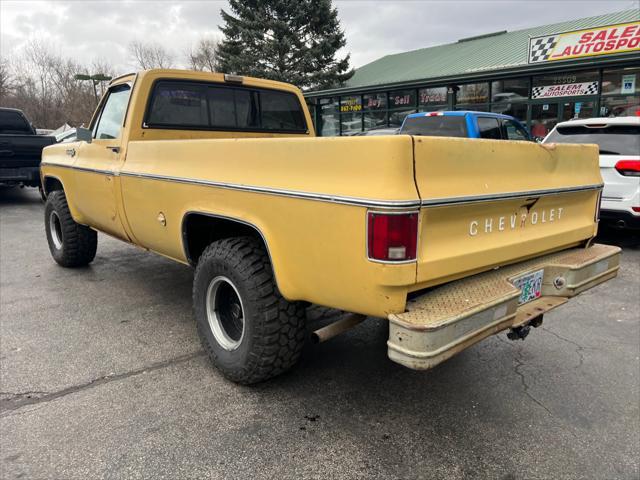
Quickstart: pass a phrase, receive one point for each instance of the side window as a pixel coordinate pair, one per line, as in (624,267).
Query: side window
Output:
(489,128)
(176,104)
(281,111)
(109,124)
(513,131)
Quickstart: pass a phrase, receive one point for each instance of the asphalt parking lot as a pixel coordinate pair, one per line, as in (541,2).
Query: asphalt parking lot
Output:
(103,376)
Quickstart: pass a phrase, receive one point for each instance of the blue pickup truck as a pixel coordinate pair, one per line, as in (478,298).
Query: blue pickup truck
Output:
(466,124)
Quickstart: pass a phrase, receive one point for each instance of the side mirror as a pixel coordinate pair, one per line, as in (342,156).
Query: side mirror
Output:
(84,135)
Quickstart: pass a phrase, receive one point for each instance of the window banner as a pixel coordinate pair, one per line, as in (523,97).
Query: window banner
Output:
(566,90)
(585,43)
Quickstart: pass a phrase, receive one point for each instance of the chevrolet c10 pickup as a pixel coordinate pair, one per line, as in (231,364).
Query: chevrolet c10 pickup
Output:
(449,239)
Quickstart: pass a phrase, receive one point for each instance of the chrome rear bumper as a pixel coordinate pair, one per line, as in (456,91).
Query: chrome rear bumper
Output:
(450,318)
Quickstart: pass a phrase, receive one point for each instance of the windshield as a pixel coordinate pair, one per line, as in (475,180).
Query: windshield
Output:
(436,126)
(612,140)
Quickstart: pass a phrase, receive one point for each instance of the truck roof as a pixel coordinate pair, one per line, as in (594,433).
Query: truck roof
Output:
(460,113)
(211,77)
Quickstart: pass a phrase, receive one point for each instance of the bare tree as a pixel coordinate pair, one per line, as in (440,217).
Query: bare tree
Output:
(6,79)
(43,85)
(150,55)
(204,56)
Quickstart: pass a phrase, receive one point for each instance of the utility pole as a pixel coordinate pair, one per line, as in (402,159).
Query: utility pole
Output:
(95,80)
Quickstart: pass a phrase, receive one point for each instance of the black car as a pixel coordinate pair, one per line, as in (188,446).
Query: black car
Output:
(20,149)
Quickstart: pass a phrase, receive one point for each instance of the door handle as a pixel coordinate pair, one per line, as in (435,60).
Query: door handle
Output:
(114,149)
(71,152)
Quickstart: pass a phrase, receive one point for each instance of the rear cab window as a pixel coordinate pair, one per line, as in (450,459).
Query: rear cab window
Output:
(188,105)
(436,126)
(612,139)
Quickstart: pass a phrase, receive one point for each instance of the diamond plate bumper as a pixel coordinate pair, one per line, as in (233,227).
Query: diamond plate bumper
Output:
(446,320)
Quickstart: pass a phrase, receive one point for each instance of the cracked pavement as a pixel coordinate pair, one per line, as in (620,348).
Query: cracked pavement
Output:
(102,376)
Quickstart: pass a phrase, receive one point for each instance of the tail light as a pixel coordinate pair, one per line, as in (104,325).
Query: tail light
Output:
(628,168)
(392,237)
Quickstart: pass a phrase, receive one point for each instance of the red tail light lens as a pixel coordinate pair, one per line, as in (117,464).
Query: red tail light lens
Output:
(392,237)
(628,168)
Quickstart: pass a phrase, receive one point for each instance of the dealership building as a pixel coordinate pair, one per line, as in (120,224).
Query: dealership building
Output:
(583,68)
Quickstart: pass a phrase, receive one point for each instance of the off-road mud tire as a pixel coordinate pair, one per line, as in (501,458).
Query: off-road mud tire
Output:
(274,328)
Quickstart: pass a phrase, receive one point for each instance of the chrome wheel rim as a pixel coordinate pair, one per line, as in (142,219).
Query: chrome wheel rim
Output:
(55,228)
(225,313)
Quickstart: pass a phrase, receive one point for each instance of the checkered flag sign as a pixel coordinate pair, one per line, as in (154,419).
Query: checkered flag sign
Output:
(536,92)
(540,48)
(591,89)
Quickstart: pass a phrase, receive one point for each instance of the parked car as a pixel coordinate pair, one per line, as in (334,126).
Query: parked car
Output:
(450,240)
(619,141)
(468,124)
(20,149)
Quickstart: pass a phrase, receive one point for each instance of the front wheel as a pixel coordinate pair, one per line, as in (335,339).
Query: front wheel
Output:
(250,332)
(71,244)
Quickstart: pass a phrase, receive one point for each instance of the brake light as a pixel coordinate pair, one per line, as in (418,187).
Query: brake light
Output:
(628,168)
(392,237)
(636,209)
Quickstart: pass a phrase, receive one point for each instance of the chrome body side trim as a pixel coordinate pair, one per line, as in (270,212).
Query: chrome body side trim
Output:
(357,201)
(445,201)
(362,202)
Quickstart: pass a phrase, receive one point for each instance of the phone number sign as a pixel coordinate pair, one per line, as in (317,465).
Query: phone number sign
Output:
(608,40)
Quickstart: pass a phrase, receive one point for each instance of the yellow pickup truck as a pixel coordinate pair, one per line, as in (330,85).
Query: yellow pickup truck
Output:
(450,239)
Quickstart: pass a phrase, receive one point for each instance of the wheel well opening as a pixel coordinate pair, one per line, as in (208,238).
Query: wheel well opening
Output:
(51,184)
(200,230)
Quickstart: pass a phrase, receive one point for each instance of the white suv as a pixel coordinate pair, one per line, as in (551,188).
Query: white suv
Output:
(619,142)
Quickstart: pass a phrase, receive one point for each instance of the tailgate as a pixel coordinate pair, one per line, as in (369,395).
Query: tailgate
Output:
(487,203)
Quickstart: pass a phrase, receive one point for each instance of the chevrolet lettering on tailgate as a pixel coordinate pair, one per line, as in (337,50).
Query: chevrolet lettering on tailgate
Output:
(514,221)
(449,239)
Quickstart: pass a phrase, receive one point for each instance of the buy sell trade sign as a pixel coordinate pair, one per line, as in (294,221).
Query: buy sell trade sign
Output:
(585,43)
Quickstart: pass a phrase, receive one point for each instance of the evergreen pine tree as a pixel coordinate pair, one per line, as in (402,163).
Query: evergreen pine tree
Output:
(292,41)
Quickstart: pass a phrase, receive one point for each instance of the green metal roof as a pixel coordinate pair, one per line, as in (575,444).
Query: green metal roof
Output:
(469,57)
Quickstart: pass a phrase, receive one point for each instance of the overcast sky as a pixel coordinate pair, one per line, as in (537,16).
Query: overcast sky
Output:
(89,30)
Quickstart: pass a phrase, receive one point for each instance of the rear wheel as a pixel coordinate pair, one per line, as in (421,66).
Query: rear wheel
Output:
(250,332)
(71,244)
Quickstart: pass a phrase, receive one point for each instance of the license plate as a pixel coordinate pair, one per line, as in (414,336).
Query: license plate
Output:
(530,286)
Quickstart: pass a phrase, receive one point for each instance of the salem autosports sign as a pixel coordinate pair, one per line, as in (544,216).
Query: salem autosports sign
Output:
(608,40)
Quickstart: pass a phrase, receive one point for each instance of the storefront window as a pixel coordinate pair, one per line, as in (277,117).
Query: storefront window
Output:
(396,118)
(516,110)
(543,119)
(375,110)
(511,90)
(628,106)
(351,123)
(329,123)
(473,107)
(375,101)
(624,81)
(375,120)
(402,99)
(473,93)
(565,85)
(432,99)
(351,104)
